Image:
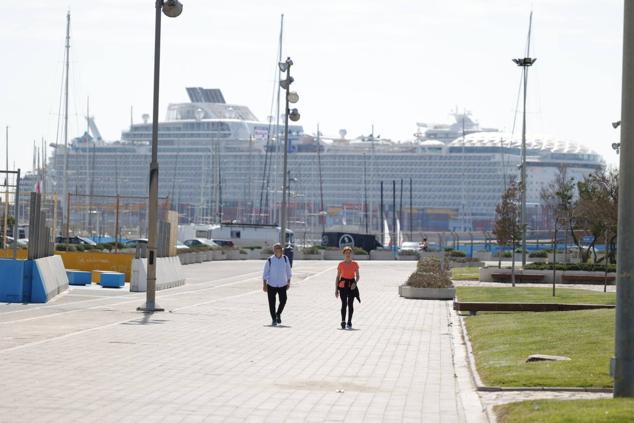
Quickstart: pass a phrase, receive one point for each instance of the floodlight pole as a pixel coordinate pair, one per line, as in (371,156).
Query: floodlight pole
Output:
(624,336)
(284,210)
(150,305)
(524,63)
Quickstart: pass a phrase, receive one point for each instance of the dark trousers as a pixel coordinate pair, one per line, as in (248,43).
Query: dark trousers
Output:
(272,291)
(347,300)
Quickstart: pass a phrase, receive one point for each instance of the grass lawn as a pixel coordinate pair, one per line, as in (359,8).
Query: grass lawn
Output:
(554,411)
(465,273)
(502,341)
(533,295)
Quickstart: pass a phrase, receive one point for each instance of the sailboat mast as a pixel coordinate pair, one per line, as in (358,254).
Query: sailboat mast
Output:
(322,218)
(65,172)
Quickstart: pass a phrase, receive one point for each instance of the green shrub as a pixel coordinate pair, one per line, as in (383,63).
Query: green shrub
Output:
(267,250)
(586,267)
(429,274)
(457,253)
(311,250)
(81,248)
(408,253)
(359,251)
(253,247)
(538,254)
(60,247)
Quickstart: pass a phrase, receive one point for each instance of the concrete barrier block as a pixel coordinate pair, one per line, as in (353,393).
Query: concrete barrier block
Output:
(49,279)
(112,280)
(79,277)
(15,280)
(168,274)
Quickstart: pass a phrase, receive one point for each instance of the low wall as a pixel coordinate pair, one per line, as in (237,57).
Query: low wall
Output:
(168,274)
(486,274)
(90,261)
(8,253)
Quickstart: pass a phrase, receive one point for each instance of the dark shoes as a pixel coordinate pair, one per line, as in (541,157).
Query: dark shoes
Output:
(278,319)
(343,325)
(274,322)
(349,325)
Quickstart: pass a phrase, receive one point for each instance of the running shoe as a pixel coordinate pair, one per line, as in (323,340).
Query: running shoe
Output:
(343,325)
(279,319)
(274,322)
(349,325)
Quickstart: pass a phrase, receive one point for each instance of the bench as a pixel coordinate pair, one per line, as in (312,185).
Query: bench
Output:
(112,279)
(589,279)
(519,277)
(474,307)
(78,277)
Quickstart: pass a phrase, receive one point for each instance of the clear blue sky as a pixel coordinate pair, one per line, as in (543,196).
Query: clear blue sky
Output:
(358,62)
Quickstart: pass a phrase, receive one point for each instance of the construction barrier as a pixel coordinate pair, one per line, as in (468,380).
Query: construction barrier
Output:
(90,261)
(32,281)
(168,274)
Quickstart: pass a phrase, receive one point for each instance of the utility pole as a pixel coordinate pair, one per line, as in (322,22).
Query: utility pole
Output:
(524,63)
(411,223)
(65,171)
(395,237)
(624,338)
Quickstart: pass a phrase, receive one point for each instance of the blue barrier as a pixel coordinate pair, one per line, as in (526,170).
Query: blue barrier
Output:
(32,281)
(15,280)
(112,280)
(78,277)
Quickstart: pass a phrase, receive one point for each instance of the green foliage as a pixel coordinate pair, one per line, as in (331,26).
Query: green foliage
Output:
(430,274)
(538,254)
(503,341)
(311,250)
(507,226)
(612,410)
(267,250)
(359,251)
(457,253)
(587,267)
(533,295)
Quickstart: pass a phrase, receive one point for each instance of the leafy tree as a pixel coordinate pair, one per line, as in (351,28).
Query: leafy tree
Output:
(507,226)
(596,211)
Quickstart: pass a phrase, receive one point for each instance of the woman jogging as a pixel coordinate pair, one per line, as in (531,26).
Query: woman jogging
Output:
(346,286)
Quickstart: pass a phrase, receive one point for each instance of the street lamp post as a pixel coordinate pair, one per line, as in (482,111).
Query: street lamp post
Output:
(624,336)
(290,97)
(172,9)
(524,63)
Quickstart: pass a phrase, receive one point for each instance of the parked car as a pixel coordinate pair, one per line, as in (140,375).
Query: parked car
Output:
(411,246)
(75,240)
(133,243)
(181,247)
(200,242)
(223,243)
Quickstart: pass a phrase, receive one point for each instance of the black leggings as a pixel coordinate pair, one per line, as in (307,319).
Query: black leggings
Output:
(271,291)
(347,300)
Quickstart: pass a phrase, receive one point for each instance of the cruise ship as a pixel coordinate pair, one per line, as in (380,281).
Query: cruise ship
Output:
(219,162)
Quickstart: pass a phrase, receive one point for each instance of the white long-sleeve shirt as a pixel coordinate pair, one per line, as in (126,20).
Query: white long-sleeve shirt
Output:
(277,271)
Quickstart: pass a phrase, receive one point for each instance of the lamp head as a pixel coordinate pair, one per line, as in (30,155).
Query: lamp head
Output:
(294,115)
(616,124)
(172,8)
(293,97)
(285,83)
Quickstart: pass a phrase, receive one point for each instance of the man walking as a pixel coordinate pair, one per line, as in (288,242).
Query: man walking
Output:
(276,280)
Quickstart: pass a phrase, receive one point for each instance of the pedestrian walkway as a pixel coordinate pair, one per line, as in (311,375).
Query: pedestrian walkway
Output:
(212,356)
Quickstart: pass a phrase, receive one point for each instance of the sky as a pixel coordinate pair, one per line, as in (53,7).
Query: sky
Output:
(358,63)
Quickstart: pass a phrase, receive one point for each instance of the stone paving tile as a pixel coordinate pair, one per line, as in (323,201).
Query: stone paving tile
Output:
(212,356)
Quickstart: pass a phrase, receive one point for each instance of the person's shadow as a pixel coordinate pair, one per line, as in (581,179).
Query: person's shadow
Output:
(278,326)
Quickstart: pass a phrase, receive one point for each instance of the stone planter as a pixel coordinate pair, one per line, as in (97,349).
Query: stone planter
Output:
(381,255)
(311,257)
(407,291)
(232,255)
(483,255)
(253,254)
(332,255)
(486,274)
(407,257)
(219,255)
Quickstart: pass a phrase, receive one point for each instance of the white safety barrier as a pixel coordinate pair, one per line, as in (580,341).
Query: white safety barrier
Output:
(49,279)
(168,274)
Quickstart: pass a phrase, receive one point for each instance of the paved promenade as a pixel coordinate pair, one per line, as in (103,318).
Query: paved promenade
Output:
(90,357)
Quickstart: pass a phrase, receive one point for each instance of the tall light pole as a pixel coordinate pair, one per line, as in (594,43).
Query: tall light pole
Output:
(290,97)
(172,9)
(624,337)
(524,63)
